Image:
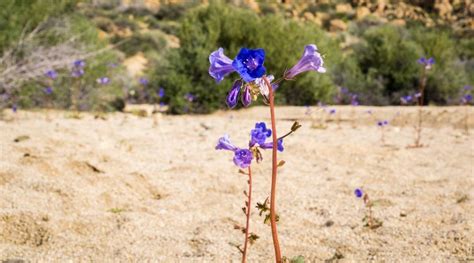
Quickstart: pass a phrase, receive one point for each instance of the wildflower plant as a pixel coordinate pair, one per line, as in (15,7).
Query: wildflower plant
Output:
(253,82)
(466,100)
(382,124)
(426,64)
(369,220)
(243,158)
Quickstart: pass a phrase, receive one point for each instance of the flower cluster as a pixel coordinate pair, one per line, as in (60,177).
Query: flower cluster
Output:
(103,80)
(382,123)
(467,96)
(249,65)
(426,62)
(78,68)
(52,74)
(258,136)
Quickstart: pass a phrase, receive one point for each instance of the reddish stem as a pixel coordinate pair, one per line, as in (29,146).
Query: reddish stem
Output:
(247,225)
(276,244)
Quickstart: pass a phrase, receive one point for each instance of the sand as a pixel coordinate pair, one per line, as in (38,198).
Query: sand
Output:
(122,189)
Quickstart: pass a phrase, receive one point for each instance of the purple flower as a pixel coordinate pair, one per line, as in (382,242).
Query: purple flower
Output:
(466,98)
(161,92)
(52,74)
(103,80)
(249,63)
(14,108)
(354,101)
(358,192)
(259,134)
(243,158)
(246,96)
(418,94)
(233,96)
(269,145)
(189,97)
(162,103)
(79,63)
(428,63)
(332,111)
(311,60)
(406,99)
(221,65)
(48,90)
(224,144)
(467,87)
(382,123)
(143,81)
(77,73)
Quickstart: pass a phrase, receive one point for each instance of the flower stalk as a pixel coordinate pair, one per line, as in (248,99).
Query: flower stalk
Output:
(276,243)
(247,213)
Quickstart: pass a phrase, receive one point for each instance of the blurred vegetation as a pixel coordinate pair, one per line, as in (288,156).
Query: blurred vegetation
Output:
(374,59)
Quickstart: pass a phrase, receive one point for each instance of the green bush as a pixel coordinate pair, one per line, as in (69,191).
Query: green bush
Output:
(205,29)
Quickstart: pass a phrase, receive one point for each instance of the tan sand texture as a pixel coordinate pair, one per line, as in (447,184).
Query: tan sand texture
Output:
(125,190)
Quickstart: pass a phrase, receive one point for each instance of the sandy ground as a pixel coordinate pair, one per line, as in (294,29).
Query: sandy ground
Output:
(122,190)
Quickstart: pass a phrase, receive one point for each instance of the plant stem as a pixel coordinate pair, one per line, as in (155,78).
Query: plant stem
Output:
(247,225)
(276,244)
(420,105)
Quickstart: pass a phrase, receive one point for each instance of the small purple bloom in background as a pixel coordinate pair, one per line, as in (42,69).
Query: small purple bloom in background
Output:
(468,87)
(382,123)
(249,63)
(76,73)
(332,111)
(189,97)
(162,103)
(246,96)
(354,101)
(79,63)
(103,80)
(233,96)
(358,192)
(161,92)
(417,95)
(269,145)
(52,74)
(406,99)
(466,99)
(311,60)
(48,90)
(14,108)
(428,63)
(243,158)
(221,65)
(224,144)
(259,134)
(143,81)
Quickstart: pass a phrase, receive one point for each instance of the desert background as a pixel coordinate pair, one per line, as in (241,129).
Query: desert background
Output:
(125,189)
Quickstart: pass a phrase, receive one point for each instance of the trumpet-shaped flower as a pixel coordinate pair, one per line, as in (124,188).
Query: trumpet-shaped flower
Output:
(269,145)
(311,60)
(246,96)
(224,144)
(249,63)
(259,134)
(243,158)
(221,65)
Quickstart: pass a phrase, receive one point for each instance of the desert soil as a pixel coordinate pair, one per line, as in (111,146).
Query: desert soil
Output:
(125,189)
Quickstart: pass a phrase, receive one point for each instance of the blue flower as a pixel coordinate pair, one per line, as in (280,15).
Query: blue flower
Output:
(249,63)
(161,92)
(143,81)
(406,99)
(354,101)
(426,62)
(259,134)
(48,90)
(269,145)
(52,74)
(466,98)
(14,108)
(76,73)
(233,96)
(382,123)
(79,63)
(103,80)
(221,65)
(311,60)
(332,111)
(358,192)
(243,158)
(224,144)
